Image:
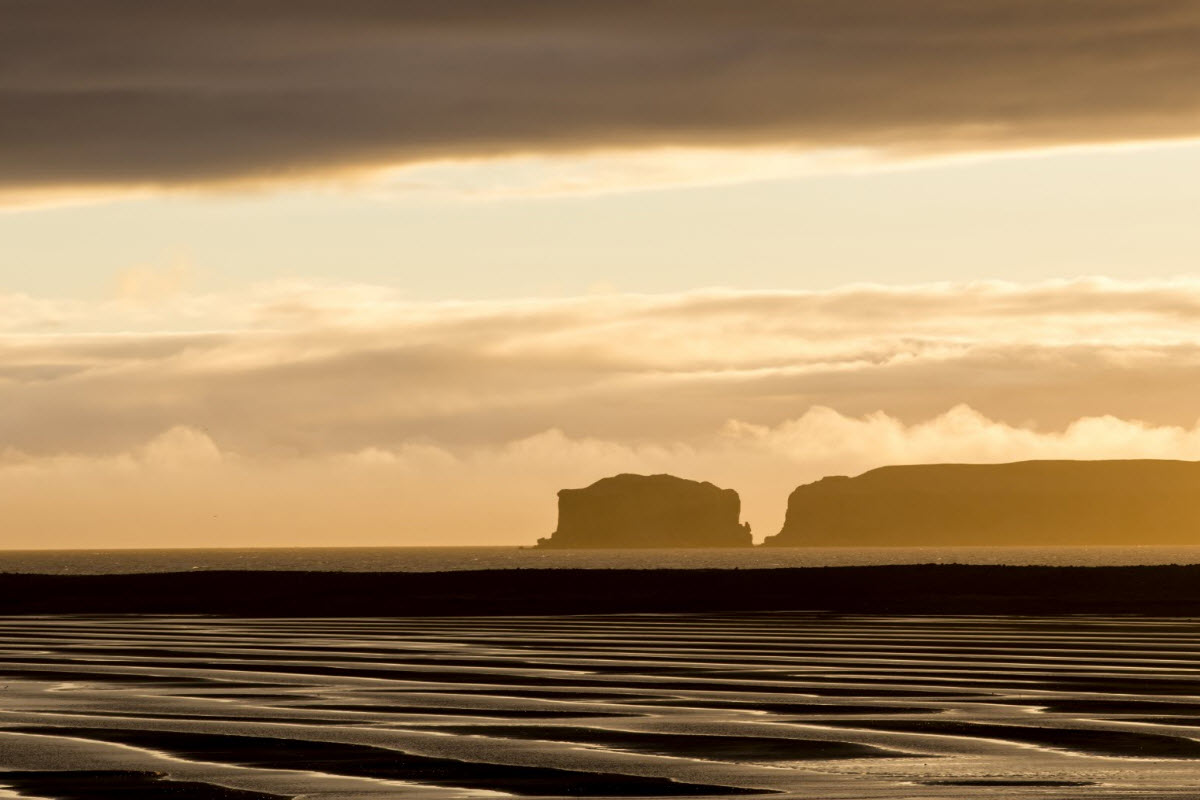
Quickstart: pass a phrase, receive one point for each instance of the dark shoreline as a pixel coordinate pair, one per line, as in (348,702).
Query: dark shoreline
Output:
(890,589)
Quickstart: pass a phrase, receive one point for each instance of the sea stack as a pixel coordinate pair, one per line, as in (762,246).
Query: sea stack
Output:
(1028,503)
(648,511)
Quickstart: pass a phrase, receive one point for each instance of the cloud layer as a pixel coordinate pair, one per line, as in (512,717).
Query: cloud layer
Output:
(322,414)
(181,490)
(141,93)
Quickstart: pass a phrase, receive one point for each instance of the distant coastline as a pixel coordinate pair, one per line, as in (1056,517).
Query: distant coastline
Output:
(1103,502)
(1047,502)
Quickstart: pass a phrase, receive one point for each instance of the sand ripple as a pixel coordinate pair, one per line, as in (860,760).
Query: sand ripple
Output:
(796,705)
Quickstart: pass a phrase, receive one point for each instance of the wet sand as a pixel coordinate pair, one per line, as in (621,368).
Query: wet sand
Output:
(796,705)
(119,785)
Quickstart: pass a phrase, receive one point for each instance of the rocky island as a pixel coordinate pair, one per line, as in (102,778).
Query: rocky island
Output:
(649,511)
(1025,503)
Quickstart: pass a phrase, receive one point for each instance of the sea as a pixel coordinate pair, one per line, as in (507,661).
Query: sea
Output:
(443,559)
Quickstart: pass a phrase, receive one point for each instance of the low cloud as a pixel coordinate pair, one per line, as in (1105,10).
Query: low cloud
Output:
(179,489)
(321,414)
(165,94)
(299,369)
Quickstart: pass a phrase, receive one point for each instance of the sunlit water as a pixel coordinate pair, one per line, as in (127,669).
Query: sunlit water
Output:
(793,706)
(439,559)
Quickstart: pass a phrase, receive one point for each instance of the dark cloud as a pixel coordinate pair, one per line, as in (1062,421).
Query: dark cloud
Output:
(161,91)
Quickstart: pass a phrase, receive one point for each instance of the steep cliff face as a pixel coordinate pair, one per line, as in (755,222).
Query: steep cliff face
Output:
(648,511)
(1027,503)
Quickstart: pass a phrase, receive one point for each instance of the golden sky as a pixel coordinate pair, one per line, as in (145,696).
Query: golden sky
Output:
(305,273)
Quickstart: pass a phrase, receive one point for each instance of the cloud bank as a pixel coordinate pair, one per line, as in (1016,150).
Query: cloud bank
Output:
(348,414)
(181,490)
(168,93)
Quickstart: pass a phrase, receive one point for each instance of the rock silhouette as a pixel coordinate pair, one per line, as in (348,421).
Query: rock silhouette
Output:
(649,511)
(1024,503)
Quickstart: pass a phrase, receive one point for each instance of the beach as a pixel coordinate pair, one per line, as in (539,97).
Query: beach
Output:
(1162,590)
(655,705)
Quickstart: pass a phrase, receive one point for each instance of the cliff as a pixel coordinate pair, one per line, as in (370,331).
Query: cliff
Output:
(648,511)
(1027,503)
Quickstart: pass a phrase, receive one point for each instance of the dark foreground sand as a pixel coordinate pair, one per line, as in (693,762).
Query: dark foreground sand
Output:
(905,589)
(796,705)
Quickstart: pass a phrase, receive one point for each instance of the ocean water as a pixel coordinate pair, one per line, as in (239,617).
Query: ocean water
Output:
(442,559)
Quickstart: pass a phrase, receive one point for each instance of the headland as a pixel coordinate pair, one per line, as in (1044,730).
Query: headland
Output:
(1025,503)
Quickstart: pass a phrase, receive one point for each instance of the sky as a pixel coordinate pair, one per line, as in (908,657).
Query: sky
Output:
(392,273)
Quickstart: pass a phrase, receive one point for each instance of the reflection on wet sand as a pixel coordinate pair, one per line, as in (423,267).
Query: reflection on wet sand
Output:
(796,705)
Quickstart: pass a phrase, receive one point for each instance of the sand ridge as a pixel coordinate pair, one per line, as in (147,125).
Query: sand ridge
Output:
(789,704)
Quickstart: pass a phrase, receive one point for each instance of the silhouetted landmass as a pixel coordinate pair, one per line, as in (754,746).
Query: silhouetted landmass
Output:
(920,589)
(649,511)
(1026,503)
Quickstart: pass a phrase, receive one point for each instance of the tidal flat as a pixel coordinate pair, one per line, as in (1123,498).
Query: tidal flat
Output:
(789,704)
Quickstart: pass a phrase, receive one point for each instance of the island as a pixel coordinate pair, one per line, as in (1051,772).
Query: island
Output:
(1134,502)
(648,511)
